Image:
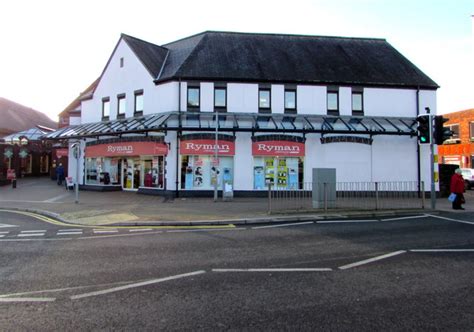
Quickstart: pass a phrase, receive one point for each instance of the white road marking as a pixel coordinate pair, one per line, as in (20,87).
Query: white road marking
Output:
(70,233)
(204,230)
(7,225)
(442,250)
(451,219)
(27,299)
(345,221)
(370,260)
(284,225)
(31,234)
(35,231)
(57,198)
(5,232)
(275,270)
(140,284)
(140,230)
(2,235)
(71,230)
(406,218)
(103,231)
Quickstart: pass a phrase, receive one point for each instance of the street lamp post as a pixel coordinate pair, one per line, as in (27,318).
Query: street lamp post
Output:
(77,153)
(215,156)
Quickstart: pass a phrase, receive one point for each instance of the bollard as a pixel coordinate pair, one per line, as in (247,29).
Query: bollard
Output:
(13,183)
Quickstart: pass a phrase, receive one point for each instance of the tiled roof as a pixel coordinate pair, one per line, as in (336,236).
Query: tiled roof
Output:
(15,117)
(231,56)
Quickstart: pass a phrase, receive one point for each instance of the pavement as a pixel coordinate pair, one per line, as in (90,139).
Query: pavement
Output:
(44,196)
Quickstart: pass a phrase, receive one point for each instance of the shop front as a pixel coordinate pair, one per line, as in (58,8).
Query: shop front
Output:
(278,161)
(129,165)
(200,169)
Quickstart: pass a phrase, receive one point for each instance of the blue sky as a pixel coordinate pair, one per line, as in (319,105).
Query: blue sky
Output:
(52,49)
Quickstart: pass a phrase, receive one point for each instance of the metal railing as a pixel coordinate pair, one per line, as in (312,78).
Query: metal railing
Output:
(347,195)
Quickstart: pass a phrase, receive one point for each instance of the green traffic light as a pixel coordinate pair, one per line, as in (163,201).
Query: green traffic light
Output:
(423,139)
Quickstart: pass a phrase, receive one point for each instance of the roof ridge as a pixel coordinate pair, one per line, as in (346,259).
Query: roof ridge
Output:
(288,35)
(124,35)
(184,38)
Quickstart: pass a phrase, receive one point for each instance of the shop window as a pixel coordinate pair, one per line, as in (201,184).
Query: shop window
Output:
(193,98)
(333,102)
(44,164)
(138,103)
(357,103)
(290,101)
(105,108)
(201,172)
(281,172)
(102,170)
(264,101)
(153,172)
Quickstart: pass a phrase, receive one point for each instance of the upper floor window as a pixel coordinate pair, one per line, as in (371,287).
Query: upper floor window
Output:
(220,97)
(105,108)
(138,102)
(455,129)
(193,97)
(471,130)
(121,105)
(333,102)
(264,100)
(121,62)
(357,103)
(290,101)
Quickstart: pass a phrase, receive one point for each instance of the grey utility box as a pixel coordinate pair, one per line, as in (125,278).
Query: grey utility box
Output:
(324,188)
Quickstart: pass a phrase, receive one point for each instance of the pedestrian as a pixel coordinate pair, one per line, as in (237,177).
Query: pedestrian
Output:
(60,174)
(457,187)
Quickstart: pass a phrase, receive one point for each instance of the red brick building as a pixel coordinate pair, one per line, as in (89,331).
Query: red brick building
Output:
(459,150)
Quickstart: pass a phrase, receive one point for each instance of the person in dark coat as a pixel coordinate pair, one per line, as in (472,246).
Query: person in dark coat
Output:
(60,174)
(457,187)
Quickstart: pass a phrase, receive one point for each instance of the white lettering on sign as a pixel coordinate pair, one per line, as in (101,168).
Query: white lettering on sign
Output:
(207,147)
(278,148)
(120,149)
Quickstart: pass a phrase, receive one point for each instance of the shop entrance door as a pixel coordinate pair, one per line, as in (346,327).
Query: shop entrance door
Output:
(131,172)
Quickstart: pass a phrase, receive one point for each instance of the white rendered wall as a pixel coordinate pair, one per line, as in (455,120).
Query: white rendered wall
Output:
(170,161)
(345,101)
(74,120)
(243,162)
(311,99)
(207,97)
(115,80)
(278,99)
(389,102)
(166,98)
(242,98)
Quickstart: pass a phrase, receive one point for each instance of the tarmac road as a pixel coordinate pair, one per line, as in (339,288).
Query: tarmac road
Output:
(397,274)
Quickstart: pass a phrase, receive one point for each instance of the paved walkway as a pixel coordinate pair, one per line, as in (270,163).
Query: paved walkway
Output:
(101,208)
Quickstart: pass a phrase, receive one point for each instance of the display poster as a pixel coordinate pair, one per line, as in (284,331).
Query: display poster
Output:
(292,164)
(198,174)
(259,177)
(227,176)
(282,173)
(188,182)
(269,171)
(215,175)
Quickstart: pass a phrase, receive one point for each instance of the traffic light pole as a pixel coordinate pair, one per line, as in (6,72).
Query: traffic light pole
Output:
(433,191)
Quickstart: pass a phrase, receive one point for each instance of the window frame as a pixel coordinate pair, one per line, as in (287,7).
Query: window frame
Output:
(105,100)
(471,130)
(220,108)
(120,97)
(267,109)
(332,111)
(361,111)
(458,135)
(138,93)
(290,110)
(197,107)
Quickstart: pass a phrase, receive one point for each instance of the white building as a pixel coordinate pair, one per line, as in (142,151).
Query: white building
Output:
(286,104)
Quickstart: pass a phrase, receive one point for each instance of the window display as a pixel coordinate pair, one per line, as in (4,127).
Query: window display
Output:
(202,172)
(282,172)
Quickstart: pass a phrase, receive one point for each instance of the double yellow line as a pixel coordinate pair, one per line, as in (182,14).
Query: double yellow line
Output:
(59,223)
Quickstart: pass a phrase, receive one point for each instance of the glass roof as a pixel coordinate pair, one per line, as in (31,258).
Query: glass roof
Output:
(32,134)
(242,122)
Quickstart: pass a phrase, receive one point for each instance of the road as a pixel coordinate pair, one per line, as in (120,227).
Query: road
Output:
(390,274)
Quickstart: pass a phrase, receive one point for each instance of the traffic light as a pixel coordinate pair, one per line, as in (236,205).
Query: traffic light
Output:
(441,133)
(423,129)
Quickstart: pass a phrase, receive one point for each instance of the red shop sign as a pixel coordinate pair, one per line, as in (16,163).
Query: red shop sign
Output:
(278,148)
(207,147)
(61,153)
(126,149)
(11,175)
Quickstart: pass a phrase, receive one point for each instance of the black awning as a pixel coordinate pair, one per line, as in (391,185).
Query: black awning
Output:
(242,122)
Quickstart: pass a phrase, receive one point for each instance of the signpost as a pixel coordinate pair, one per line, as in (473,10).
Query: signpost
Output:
(76,149)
